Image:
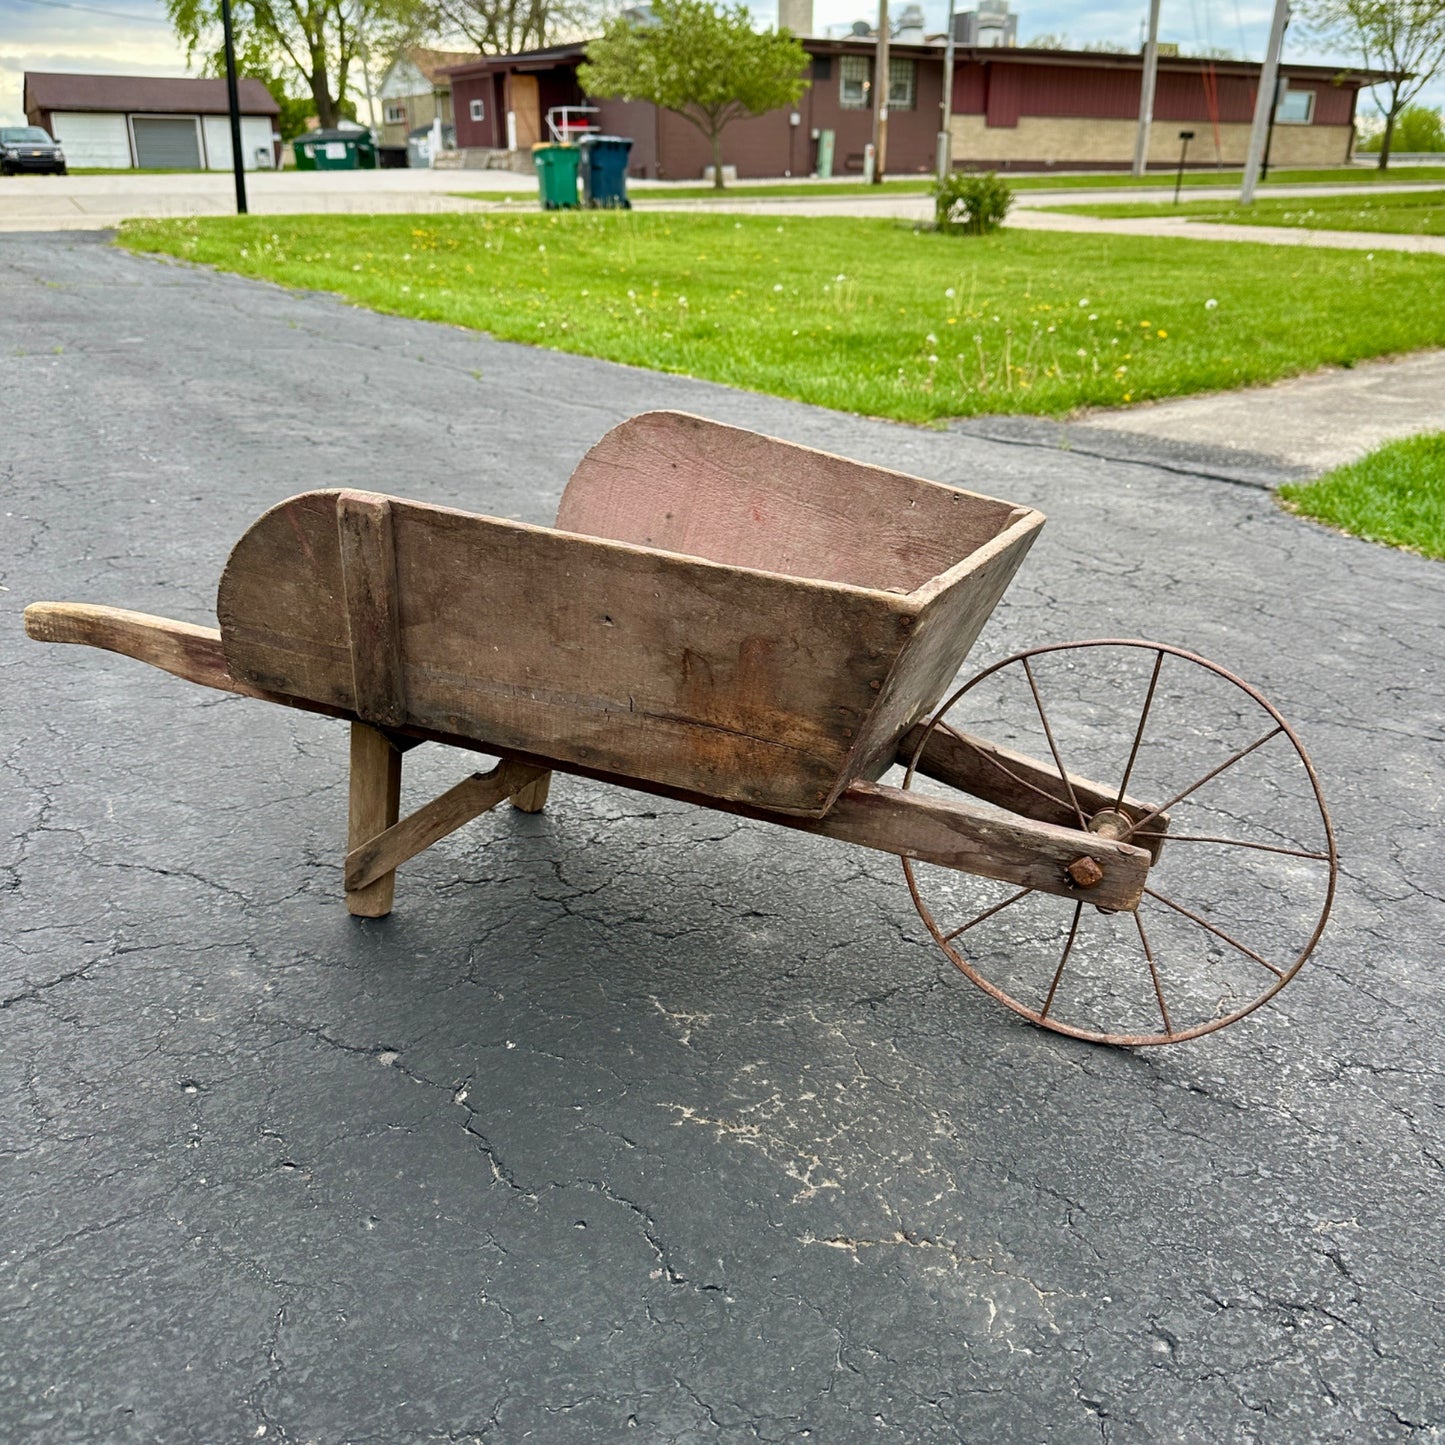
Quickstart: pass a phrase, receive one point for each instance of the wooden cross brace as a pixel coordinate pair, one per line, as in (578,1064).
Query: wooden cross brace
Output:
(378,843)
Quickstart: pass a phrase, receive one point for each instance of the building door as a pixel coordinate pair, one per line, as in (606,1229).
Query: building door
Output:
(526,108)
(166,144)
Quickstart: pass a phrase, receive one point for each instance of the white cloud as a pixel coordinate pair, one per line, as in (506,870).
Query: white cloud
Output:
(56,37)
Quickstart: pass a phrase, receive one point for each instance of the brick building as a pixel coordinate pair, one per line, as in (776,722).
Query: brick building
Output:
(1013,109)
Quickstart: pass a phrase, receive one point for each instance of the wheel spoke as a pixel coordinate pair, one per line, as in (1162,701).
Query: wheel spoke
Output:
(1234,843)
(1217,932)
(1154,974)
(1053,746)
(1194,787)
(987,913)
(1139,731)
(1008,772)
(1059,971)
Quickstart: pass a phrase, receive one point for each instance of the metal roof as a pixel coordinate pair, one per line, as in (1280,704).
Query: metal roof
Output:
(148,94)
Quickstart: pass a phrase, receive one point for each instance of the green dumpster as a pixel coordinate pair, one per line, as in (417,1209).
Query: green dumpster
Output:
(335,150)
(556,176)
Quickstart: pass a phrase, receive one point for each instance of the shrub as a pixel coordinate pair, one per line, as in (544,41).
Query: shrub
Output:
(971,205)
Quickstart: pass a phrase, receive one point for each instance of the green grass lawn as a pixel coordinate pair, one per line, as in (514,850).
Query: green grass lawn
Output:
(1394,495)
(919,185)
(1414,213)
(868,316)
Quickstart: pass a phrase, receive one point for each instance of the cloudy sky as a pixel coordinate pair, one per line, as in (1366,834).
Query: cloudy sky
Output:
(133,37)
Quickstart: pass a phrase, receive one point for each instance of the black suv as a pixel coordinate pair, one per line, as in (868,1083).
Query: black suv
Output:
(28,148)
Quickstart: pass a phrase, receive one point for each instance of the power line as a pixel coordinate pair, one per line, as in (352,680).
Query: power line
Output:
(96,10)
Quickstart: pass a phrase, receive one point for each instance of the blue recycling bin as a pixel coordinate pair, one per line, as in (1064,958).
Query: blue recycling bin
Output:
(604,171)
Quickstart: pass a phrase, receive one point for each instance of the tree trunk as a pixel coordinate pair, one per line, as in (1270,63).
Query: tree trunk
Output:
(717,175)
(1386,140)
(326,114)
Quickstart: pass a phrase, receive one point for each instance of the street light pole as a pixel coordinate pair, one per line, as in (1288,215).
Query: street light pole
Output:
(1146,91)
(945,129)
(880,97)
(233,101)
(1264,102)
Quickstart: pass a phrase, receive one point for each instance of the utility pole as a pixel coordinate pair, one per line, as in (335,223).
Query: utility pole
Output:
(880,97)
(1264,102)
(1146,91)
(945,127)
(233,100)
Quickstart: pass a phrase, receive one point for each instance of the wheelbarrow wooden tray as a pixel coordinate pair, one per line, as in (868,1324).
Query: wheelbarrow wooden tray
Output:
(716,612)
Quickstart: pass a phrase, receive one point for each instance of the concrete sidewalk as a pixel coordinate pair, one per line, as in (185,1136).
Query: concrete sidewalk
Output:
(97,203)
(1029,219)
(1305,425)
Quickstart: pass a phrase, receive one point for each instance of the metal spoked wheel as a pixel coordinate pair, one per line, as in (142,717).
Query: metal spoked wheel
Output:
(1190,763)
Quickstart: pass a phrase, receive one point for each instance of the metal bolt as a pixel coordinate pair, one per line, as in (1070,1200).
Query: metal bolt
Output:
(1085,872)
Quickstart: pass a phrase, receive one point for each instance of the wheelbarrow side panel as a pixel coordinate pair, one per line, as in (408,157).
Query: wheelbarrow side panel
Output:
(722,681)
(682,483)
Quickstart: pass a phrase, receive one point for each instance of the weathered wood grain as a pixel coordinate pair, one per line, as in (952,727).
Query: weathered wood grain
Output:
(1028,786)
(368,571)
(532,798)
(772,672)
(375,803)
(950,832)
(473,796)
(745,684)
(684,484)
(179,648)
(955,833)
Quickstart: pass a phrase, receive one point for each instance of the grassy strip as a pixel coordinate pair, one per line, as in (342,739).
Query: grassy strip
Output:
(1086,181)
(1411,213)
(1394,495)
(864,315)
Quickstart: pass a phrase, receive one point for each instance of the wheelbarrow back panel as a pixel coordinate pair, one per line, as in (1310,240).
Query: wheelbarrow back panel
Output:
(733,681)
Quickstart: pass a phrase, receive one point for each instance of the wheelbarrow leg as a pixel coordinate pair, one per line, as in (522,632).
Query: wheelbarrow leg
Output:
(533,798)
(375,806)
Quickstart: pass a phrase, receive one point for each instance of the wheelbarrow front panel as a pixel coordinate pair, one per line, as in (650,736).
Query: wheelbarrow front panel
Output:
(742,685)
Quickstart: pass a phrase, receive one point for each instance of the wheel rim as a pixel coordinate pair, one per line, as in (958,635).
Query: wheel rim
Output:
(1195,957)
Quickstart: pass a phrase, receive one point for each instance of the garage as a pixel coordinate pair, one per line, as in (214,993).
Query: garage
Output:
(161,123)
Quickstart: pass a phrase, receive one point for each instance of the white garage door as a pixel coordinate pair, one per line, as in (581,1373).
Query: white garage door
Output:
(92,140)
(255,142)
(167,143)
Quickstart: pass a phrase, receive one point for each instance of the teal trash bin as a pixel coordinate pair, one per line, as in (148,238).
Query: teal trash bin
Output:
(604,171)
(556,176)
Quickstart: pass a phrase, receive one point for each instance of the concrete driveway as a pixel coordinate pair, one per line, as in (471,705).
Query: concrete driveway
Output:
(636,1122)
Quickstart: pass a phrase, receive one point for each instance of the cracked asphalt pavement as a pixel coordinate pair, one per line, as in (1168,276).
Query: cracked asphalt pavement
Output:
(636,1121)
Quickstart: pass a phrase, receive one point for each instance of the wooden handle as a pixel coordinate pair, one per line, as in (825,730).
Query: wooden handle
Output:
(175,647)
(179,648)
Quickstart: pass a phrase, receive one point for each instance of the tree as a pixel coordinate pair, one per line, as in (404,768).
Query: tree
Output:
(702,61)
(503,27)
(1417,128)
(1404,37)
(319,42)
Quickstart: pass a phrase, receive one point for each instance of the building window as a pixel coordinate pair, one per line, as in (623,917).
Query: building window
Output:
(1296,107)
(478,110)
(395,113)
(853,85)
(902,84)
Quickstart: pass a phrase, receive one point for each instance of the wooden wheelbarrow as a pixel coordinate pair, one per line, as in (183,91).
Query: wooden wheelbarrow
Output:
(729,620)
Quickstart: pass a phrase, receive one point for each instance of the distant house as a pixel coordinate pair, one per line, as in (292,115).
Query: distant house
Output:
(415,91)
(151,122)
(1013,109)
